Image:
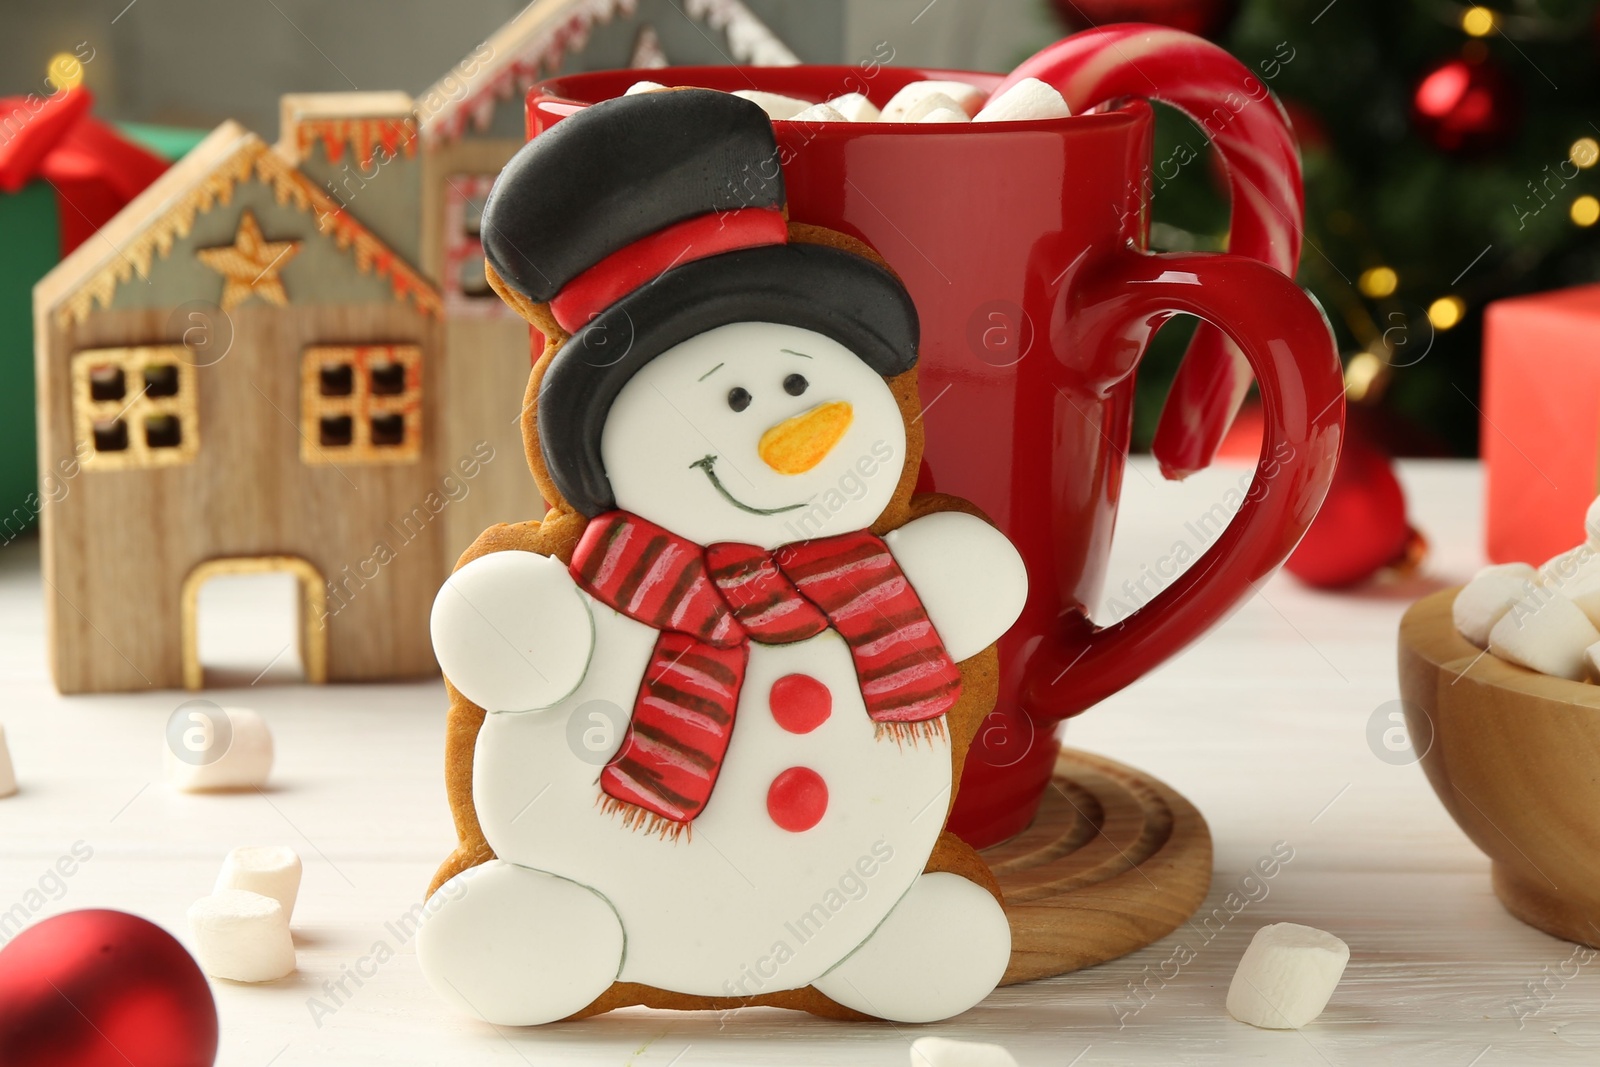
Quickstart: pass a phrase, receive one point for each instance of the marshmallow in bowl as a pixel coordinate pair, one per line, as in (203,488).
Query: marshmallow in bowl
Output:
(1575,574)
(1030,98)
(855,107)
(1549,635)
(1489,595)
(1591,661)
(1563,567)
(918,98)
(1591,524)
(1582,587)
(944,114)
(643,87)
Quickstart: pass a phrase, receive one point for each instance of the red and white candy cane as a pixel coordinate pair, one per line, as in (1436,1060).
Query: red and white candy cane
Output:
(1253,135)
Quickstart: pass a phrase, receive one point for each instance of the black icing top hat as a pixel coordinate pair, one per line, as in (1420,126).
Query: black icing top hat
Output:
(646,220)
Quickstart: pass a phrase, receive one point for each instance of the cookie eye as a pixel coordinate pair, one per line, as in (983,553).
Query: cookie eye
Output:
(739,398)
(795,384)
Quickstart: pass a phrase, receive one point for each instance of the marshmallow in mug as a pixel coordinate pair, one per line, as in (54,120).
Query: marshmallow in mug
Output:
(931,100)
(919,98)
(776,105)
(820,113)
(1030,98)
(855,107)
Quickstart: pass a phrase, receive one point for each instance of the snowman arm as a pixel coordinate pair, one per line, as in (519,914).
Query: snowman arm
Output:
(512,631)
(970,579)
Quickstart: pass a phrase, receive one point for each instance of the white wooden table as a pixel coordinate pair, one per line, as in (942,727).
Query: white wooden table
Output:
(1263,725)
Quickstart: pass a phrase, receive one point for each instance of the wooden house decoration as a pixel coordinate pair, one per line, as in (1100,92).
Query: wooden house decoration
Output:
(472,120)
(285,358)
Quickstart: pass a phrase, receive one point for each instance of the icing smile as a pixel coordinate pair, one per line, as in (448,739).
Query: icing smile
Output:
(706,464)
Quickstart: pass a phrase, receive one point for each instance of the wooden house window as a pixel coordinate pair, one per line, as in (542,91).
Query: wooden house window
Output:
(466,289)
(361,404)
(134,407)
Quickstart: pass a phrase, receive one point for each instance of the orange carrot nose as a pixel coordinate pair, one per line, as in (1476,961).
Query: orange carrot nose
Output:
(797,444)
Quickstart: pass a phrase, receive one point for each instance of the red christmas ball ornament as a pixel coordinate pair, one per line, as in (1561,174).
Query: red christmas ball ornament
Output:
(1309,129)
(103,989)
(1362,527)
(1203,17)
(1466,105)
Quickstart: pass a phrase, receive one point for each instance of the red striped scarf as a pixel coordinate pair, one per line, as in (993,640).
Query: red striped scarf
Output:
(709,604)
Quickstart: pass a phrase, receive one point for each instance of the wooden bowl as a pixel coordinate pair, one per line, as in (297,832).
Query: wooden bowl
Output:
(1515,756)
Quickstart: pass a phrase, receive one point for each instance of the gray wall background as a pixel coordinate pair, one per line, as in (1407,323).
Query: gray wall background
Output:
(197,62)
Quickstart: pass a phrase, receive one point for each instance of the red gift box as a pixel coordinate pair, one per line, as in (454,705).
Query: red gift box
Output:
(1540,437)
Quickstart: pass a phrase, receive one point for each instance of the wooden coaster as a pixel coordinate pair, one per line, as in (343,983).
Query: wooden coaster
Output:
(1114,860)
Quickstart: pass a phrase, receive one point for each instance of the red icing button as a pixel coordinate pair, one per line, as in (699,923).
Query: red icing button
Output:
(797,798)
(800,703)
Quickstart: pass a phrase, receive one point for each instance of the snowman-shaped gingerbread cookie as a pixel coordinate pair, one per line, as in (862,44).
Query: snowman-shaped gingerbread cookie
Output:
(709,713)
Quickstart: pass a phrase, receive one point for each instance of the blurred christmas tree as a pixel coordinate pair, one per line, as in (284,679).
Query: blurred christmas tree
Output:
(1450,156)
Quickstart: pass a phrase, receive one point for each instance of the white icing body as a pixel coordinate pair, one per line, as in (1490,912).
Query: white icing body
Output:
(707,911)
(736,905)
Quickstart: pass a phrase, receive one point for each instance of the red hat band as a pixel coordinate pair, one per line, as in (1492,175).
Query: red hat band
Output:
(636,265)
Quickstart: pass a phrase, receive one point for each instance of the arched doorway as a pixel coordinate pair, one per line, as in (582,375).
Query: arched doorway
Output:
(312,629)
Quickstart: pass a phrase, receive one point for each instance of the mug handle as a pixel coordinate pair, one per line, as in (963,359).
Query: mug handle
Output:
(1113,307)
(1252,134)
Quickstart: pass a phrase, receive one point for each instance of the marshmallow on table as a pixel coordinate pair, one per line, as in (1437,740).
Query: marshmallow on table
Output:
(643,87)
(959,96)
(1286,976)
(943,1052)
(1030,98)
(776,105)
(241,936)
(244,764)
(270,870)
(855,107)
(820,113)
(8,777)
(1490,594)
(1548,634)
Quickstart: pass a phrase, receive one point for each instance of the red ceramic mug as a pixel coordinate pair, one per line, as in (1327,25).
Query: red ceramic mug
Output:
(1022,246)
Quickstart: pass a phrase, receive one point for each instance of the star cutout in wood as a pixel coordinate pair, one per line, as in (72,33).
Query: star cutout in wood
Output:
(250,265)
